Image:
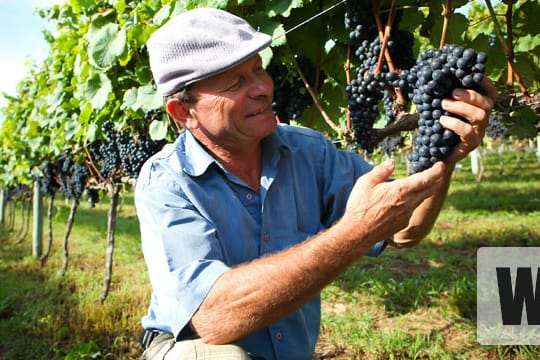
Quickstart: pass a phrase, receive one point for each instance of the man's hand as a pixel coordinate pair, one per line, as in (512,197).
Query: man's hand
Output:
(377,209)
(474,107)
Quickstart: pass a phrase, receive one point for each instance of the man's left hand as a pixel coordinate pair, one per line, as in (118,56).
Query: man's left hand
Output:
(474,107)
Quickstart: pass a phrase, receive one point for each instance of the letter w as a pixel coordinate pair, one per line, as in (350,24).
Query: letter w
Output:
(512,302)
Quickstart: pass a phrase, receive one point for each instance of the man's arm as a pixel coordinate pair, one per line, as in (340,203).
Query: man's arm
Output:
(254,295)
(476,108)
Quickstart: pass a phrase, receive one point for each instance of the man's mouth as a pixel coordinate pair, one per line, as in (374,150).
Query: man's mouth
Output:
(259,111)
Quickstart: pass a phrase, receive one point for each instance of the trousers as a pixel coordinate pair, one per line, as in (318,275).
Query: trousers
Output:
(164,347)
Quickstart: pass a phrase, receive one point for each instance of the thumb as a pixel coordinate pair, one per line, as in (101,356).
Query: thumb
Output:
(379,173)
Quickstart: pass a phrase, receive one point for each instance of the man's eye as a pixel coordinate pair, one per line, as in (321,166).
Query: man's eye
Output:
(235,84)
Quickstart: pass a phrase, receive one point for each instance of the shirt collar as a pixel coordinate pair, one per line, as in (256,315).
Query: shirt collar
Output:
(197,160)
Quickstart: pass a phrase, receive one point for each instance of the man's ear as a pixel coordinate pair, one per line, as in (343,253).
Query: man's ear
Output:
(179,112)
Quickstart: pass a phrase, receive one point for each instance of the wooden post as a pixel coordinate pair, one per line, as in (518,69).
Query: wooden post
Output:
(538,147)
(475,166)
(37,234)
(2,206)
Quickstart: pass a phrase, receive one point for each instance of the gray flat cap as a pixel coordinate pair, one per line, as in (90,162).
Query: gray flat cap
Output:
(198,44)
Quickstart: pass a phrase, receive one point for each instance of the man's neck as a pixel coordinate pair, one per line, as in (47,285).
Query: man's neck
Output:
(243,162)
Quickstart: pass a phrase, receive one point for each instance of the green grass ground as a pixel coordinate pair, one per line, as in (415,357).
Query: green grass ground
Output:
(417,303)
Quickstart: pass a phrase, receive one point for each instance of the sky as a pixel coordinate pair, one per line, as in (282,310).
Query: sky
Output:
(21,41)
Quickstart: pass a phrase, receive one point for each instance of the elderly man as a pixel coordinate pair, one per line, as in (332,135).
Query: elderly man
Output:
(244,221)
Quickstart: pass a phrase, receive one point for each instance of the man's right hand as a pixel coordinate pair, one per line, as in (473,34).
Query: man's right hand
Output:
(377,208)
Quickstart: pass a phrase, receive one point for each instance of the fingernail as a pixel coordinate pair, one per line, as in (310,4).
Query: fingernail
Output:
(442,120)
(457,93)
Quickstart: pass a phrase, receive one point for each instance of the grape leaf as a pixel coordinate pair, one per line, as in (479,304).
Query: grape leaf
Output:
(144,97)
(158,129)
(96,90)
(523,123)
(106,45)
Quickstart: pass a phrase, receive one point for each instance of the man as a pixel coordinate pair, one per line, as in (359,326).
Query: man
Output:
(244,221)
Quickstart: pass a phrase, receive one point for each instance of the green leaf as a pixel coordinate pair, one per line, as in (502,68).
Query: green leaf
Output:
(145,98)
(106,45)
(456,31)
(263,23)
(523,123)
(86,114)
(527,69)
(130,99)
(96,91)
(81,69)
(412,16)
(266,56)
(91,132)
(158,129)
(71,128)
(527,43)
(303,39)
(120,6)
(526,18)
(138,34)
(55,99)
(496,61)
(162,15)
(81,6)
(143,73)
(282,7)
(278,36)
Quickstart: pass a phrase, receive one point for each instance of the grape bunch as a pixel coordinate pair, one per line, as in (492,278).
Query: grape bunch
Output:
(121,153)
(18,192)
(93,195)
(134,151)
(435,74)
(371,85)
(291,97)
(110,157)
(496,129)
(72,176)
(390,144)
(363,96)
(47,181)
(359,21)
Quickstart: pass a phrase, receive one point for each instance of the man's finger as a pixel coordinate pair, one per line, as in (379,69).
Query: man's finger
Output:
(379,173)
(427,180)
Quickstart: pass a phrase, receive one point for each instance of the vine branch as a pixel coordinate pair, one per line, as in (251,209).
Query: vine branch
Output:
(92,164)
(347,67)
(447,14)
(507,48)
(404,122)
(325,116)
(384,36)
(509,42)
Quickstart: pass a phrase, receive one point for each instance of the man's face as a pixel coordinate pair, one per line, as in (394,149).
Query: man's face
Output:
(235,107)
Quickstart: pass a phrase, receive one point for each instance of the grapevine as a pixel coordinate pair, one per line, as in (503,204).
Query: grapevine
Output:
(375,77)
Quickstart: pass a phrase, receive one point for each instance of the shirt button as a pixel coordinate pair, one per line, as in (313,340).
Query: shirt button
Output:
(249,196)
(266,237)
(279,336)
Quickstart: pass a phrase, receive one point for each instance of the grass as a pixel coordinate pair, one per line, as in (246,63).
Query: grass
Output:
(417,303)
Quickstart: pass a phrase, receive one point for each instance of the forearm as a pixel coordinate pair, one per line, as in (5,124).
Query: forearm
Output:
(424,217)
(254,295)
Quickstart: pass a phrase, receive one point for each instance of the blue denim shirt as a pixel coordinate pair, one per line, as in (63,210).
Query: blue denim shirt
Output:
(197,220)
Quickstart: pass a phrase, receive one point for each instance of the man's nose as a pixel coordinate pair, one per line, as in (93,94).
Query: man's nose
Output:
(261,85)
